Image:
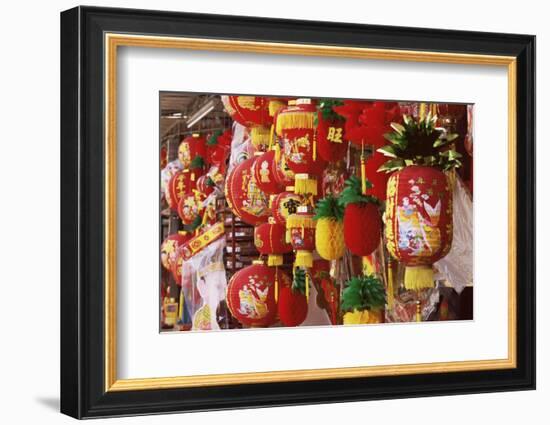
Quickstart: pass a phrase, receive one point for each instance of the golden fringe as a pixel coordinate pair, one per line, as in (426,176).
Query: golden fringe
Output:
(275,106)
(294,120)
(303,258)
(303,185)
(274,260)
(260,136)
(299,220)
(419,277)
(391,277)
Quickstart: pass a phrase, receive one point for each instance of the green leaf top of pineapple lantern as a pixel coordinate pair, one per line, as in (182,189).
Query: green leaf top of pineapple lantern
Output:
(299,281)
(328,114)
(363,293)
(352,193)
(329,207)
(419,142)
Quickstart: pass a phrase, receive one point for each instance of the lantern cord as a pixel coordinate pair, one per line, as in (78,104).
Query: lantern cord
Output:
(315,145)
(276,284)
(307,286)
(418,315)
(363,170)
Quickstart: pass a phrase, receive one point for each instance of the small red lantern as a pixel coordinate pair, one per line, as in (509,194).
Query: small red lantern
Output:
(180,184)
(169,246)
(244,197)
(284,204)
(192,152)
(282,173)
(419,222)
(292,306)
(264,172)
(251,294)
(301,228)
(331,142)
(252,112)
(269,239)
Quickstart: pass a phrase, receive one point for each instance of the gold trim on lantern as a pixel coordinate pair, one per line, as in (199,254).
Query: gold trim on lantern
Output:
(290,120)
(114,41)
(300,220)
(274,260)
(303,258)
(304,185)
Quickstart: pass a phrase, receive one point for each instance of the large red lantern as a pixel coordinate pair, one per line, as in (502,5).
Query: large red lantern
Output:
(252,112)
(264,169)
(419,222)
(283,204)
(251,294)
(269,239)
(244,197)
(301,229)
(170,245)
(192,152)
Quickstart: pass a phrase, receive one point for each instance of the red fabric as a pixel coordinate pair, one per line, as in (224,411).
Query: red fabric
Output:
(181,184)
(284,204)
(243,195)
(292,306)
(202,187)
(270,239)
(378,179)
(298,151)
(419,220)
(362,228)
(249,115)
(331,142)
(264,173)
(251,294)
(188,208)
(302,238)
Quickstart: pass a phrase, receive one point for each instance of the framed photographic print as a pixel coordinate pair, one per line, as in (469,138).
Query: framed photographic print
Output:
(261,212)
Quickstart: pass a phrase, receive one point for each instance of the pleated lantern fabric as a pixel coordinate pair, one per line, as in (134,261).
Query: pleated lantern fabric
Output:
(170,245)
(331,142)
(292,306)
(244,197)
(301,229)
(284,204)
(419,223)
(251,294)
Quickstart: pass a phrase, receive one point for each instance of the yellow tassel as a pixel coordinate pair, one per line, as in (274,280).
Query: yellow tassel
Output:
(271,132)
(304,258)
(422,111)
(287,235)
(419,277)
(363,176)
(300,220)
(418,315)
(274,107)
(193,176)
(303,185)
(182,301)
(276,285)
(274,260)
(315,146)
(294,120)
(260,136)
(307,286)
(390,294)
(277,153)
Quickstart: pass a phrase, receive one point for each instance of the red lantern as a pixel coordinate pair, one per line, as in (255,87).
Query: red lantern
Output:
(263,169)
(284,204)
(169,246)
(282,173)
(252,112)
(192,152)
(292,306)
(180,184)
(244,197)
(362,228)
(419,222)
(251,294)
(190,207)
(331,143)
(301,228)
(269,239)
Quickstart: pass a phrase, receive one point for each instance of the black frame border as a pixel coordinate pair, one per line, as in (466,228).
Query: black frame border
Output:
(82,211)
